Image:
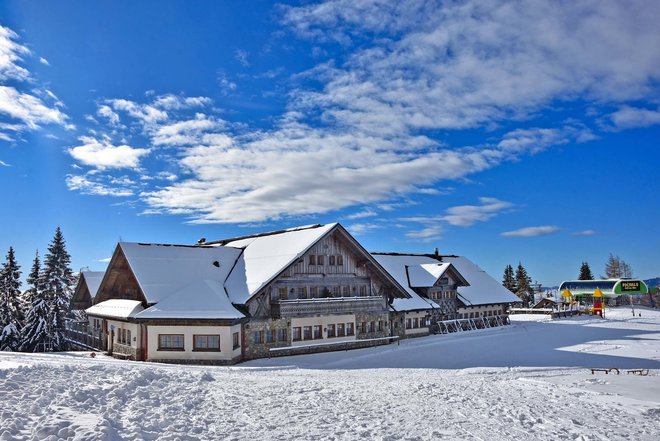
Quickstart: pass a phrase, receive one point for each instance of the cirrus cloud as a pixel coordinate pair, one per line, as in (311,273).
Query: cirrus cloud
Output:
(531,231)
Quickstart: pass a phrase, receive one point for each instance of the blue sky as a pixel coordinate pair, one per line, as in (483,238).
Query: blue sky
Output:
(504,132)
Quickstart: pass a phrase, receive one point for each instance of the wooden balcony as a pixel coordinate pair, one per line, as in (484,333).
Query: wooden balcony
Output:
(327,306)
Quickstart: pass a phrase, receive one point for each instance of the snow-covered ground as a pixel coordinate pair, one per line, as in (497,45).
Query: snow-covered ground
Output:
(526,381)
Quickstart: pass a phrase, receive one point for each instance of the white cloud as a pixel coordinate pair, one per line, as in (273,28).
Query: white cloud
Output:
(26,110)
(531,231)
(86,186)
(631,117)
(109,114)
(4,164)
(11,54)
(105,260)
(362,214)
(466,215)
(426,234)
(585,233)
(101,154)
(43,61)
(363,228)
(242,57)
(176,102)
(368,134)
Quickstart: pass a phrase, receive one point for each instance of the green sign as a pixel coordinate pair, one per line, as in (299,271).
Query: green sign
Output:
(630,285)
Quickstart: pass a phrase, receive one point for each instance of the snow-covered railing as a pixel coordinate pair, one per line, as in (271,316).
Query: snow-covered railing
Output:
(471,324)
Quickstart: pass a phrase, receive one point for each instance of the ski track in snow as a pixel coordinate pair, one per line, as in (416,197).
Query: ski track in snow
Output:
(72,396)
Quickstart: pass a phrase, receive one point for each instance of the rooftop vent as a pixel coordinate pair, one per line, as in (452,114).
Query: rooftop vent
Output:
(201,241)
(216,264)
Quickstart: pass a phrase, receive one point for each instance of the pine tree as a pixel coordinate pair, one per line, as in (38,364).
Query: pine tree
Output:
(509,281)
(58,282)
(36,332)
(626,270)
(11,313)
(523,285)
(585,272)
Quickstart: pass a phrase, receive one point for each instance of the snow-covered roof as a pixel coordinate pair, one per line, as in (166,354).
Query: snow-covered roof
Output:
(399,267)
(93,280)
(116,308)
(162,270)
(266,256)
(425,275)
(483,289)
(203,299)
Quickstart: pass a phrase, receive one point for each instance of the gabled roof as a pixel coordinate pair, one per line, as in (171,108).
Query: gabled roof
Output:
(264,257)
(116,308)
(483,289)
(162,270)
(93,281)
(397,266)
(203,299)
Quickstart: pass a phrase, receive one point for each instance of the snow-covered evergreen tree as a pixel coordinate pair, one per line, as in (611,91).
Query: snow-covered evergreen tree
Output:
(58,283)
(11,313)
(36,332)
(509,281)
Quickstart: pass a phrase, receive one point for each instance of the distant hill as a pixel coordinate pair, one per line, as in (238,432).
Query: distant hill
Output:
(652,283)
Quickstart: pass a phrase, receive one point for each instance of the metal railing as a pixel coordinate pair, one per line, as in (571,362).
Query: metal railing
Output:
(330,305)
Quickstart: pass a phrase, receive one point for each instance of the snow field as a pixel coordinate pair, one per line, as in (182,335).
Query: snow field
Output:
(325,396)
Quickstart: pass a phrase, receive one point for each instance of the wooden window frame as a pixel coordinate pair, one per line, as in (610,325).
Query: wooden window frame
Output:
(283,293)
(320,259)
(350,329)
(171,348)
(293,333)
(270,336)
(340,260)
(258,337)
(282,335)
(307,333)
(332,331)
(236,340)
(341,330)
(317,332)
(205,348)
(311,259)
(331,260)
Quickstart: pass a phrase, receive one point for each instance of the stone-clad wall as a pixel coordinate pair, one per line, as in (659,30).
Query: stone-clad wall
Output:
(261,350)
(373,317)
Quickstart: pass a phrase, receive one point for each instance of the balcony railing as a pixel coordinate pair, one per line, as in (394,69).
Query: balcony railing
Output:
(328,306)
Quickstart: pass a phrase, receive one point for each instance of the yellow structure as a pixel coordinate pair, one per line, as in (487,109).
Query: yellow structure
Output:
(598,302)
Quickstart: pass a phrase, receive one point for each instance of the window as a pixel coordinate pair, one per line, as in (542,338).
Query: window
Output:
(270,336)
(340,260)
(312,259)
(369,326)
(380,325)
(408,323)
(258,336)
(314,292)
(318,332)
(340,330)
(302,292)
(170,342)
(331,260)
(335,291)
(206,342)
(296,334)
(415,322)
(282,334)
(319,259)
(349,329)
(331,331)
(346,291)
(307,332)
(363,291)
(128,337)
(284,294)
(236,340)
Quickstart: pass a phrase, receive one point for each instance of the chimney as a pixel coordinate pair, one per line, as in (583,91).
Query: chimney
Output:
(436,251)
(201,241)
